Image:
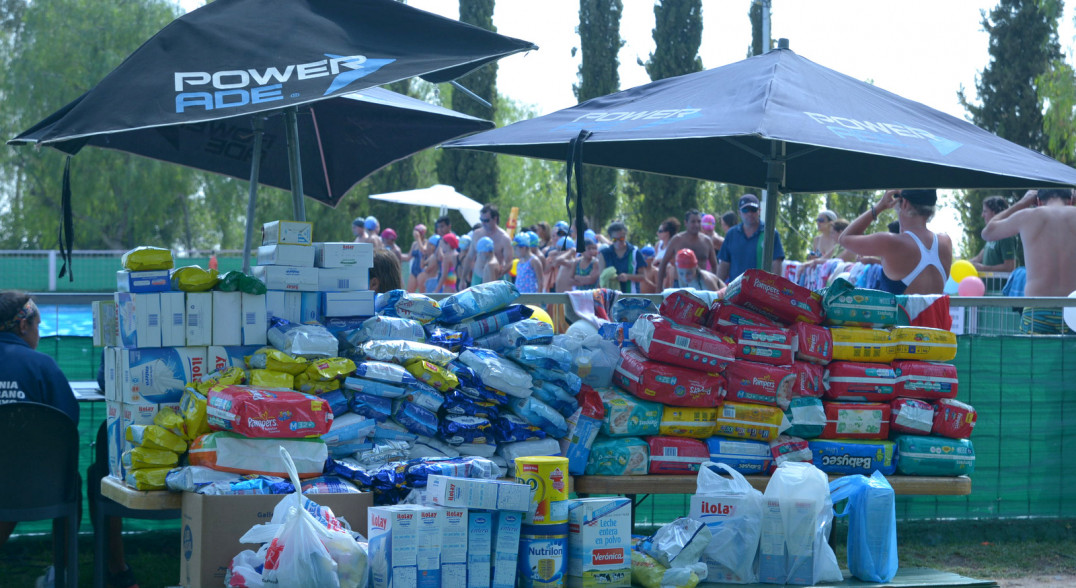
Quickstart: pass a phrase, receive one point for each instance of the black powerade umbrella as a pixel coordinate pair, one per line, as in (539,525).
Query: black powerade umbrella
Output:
(245,59)
(778,121)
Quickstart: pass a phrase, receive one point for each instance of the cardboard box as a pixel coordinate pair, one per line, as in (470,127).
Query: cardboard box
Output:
(212,526)
(450,491)
(227,318)
(343,279)
(454,547)
(173,319)
(342,254)
(139,318)
(479,547)
(283,304)
(223,357)
(287,232)
(428,558)
(393,547)
(356,303)
(114,434)
(158,375)
(105,328)
(505,548)
(599,541)
(113,379)
(144,281)
(293,255)
(199,318)
(254,319)
(309,307)
(283,277)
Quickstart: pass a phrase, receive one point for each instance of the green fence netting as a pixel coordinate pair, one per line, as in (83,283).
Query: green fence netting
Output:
(92,273)
(1024,389)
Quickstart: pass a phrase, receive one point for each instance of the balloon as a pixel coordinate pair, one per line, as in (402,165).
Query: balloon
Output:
(512,272)
(540,314)
(962,269)
(951,286)
(1070,314)
(971,286)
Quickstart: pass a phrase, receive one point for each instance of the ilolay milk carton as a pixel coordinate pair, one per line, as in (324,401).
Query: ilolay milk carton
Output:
(454,547)
(158,375)
(429,546)
(506,527)
(599,542)
(393,546)
(173,319)
(199,318)
(479,547)
(219,358)
(139,318)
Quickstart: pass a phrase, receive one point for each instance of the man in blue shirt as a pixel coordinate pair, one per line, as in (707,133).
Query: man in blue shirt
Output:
(743,243)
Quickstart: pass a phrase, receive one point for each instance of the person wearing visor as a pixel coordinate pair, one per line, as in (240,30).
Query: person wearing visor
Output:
(914,261)
(689,275)
(743,243)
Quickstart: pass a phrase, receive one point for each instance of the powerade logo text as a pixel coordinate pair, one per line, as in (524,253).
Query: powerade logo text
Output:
(883,133)
(239,87)
(631,120)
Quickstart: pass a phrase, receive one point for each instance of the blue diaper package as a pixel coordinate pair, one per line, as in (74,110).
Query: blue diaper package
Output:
(349,449)
(457,430)
(527,332)
(459,404)
(465,375)
(374,387)
(400,303)
(628,310)
(374,407)
(337,400)
(349,469)
(541,415)
(424,395)
(617,333)
(484,394)
(509,428)
(419,470)
(348,428)
(847,456)
(743,455)
(477,299)
(393,431)
(565,379)
(447,338)
(556,397)
(385,328)
(550,357)
(383,371)
(492,322)
(414,418)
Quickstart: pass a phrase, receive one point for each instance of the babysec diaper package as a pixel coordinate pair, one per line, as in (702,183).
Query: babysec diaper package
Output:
(628,416)
(680,421)
(667,384)
(628,456)
(847,456)
(923,343)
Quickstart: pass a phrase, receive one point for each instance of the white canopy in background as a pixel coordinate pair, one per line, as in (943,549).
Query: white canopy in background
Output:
(438,196)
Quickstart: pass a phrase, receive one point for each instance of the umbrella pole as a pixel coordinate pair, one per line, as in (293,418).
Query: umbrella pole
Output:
(291,124)
(255,170)
(775,176)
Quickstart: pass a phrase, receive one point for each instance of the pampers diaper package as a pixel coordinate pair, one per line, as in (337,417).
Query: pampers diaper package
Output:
(665,341)
(667,384)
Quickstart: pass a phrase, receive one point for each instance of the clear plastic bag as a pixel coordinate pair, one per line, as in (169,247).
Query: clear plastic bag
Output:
(872,525)
(796,522)
(680,543)
(303,340)
(732,509)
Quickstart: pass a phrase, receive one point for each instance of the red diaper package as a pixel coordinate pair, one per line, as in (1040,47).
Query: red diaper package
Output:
(663,340)
(912,416)
(808,379)
(812,342)
(775,297)
(771,345)
(928,380)
(759,383)
(667,384)
(676,455)
(863,382)
(724,314)
(788,448)
(683,307)
(267,413)
(953,419)
(856,420)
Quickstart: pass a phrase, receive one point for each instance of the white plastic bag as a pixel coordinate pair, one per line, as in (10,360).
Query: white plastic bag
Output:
(797,519)
(680,543)
(732,509)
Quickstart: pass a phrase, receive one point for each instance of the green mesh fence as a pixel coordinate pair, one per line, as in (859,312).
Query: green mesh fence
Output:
(93,271)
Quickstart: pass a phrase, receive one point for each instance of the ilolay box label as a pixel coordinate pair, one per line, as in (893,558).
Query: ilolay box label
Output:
(139,318)
(173,319)
(599,542)
(159,375)
(479,547)
(393,546)
(220,358)
(199,318)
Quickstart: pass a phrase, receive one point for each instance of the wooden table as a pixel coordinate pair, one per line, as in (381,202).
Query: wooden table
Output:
(140,499)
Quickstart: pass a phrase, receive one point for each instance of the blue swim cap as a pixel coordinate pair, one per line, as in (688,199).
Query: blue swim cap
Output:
(590,240)
(589,234)
(647,251)
(435,240)
(465,242)
(522,239)
(561,226)
(566,243)
(535,240)
(484,245)
(371,223)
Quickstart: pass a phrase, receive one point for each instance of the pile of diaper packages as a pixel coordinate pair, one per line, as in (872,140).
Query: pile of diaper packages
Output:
(459,387)
(772,373)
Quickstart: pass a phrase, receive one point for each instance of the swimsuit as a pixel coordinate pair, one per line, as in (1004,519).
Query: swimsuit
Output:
(450,280)
(579,271)
(1043,321)
(927,258)
(416,261)
(526,281)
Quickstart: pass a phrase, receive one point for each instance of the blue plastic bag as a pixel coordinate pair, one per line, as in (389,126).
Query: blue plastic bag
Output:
(872,525)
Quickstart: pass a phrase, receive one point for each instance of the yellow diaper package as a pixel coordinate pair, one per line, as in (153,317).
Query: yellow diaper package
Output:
(271,379)
(192,407)
(193,278)
(139,458)
(856,344)
(147,258)
(434,375)
(171,419)
(269,358)
(155,437)
(750,421)
(147,478)
(682,421)
(923,343)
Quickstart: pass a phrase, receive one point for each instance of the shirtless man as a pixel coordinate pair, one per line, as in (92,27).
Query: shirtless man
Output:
(1046,231)
(371,233)
(689,238)
(489,216)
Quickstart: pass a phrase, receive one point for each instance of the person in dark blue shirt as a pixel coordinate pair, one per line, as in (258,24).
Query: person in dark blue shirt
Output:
(625,257)
(743,243)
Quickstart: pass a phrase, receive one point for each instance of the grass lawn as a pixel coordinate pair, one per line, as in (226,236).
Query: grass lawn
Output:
(978,549)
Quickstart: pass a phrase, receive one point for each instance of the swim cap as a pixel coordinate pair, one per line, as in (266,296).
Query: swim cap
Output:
(708,221)
(370,223)
(685,259)
(484,245)
(452,240)
(388,234)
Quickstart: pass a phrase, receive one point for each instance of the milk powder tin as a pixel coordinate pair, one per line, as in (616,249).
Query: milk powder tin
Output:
(548,478)
(542,553)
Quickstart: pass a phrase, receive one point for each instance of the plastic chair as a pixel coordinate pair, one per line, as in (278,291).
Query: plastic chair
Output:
(106,507)
(40,479)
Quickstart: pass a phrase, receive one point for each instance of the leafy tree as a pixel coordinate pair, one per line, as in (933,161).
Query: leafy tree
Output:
(600,41)
(1023,45)
(536,186)
(56,51)
(677,37)
(1057,89)
(474,173)
(755,15)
